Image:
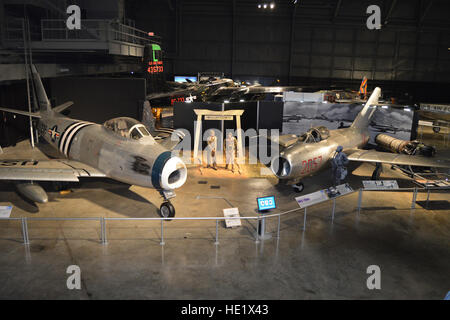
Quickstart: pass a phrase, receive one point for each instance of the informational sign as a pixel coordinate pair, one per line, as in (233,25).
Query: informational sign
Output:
(218,117)
(5,211)
(323,195)
(380,184)
(312,198)
(232,213)
(266,203)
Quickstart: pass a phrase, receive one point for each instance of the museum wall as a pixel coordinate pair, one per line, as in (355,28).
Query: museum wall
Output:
(100,99)
(326,42)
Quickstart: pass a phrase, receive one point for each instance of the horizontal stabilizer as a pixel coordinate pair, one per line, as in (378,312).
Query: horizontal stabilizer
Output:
(21,112)
(63,106)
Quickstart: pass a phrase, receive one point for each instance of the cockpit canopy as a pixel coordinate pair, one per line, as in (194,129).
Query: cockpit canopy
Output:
(127,128)
(315,135)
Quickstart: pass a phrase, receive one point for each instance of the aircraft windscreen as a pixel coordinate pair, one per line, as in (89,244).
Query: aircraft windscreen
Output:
(127,128)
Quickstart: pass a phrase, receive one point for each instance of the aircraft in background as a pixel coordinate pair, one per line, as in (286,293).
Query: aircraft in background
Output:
(215,89)
(437,114)
(305,155)
(121,149)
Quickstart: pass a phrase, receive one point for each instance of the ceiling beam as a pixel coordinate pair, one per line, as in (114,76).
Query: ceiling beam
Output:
(391,8)
(336,10)
(424,13)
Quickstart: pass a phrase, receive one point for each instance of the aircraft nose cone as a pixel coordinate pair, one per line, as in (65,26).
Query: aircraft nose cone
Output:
(281,167)
(173,174)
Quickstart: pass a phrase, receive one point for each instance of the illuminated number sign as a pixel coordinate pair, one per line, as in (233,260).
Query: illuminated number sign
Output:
(179,99)
(266,203)
(155,65)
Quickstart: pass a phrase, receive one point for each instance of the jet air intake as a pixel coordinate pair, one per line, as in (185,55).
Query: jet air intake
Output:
(281,167)
(168,172)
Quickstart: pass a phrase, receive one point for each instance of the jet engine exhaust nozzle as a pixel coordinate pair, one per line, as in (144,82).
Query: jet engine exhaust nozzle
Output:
(281,167)
(173,174)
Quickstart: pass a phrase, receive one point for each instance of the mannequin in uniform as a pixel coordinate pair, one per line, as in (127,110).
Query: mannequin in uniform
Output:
(338,166)
(230,151)
(211,150)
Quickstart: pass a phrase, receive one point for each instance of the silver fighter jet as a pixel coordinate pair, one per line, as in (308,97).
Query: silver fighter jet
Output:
(121,149)
(311,152)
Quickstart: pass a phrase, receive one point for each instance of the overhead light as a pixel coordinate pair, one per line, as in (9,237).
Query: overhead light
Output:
(384,107)
(259,6)
(242,100)
(226,101)
(407,109)
(265,5)
(272,5)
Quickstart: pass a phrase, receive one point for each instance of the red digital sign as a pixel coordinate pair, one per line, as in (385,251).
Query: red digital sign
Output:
(155,67)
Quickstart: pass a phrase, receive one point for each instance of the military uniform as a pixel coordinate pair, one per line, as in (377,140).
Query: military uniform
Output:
(211,151)
(230,151)
(338,163)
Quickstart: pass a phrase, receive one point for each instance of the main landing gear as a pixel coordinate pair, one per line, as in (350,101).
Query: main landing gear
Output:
(377,172)
(298,187)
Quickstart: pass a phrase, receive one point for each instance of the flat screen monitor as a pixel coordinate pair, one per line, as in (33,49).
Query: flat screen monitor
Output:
(266,203)
(183,78)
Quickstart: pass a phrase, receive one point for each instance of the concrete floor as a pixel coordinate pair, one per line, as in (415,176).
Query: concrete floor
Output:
(327,261)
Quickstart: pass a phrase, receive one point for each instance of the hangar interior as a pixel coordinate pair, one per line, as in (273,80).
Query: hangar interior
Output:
(100,145)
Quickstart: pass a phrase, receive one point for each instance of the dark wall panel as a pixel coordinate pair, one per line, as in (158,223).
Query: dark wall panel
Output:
(100,99)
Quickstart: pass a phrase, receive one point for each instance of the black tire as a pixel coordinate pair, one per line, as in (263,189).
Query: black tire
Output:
(436,129)
(167,210)
(298,187)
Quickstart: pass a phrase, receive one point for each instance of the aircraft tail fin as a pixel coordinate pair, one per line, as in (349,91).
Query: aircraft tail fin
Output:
(363,87)
(40,94)
(362,120)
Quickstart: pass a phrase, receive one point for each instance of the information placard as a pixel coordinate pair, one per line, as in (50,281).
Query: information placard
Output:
(323,195)
(312,198)
(5,211)
(232,212)
(380,184)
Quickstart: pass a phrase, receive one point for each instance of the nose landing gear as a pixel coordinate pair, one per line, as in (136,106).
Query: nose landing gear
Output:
(298,187)
(167,210)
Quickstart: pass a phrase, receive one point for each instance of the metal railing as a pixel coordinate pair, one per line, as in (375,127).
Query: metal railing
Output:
(258,218)
(91,30)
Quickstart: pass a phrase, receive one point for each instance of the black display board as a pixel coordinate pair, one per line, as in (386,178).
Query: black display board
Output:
(257,115)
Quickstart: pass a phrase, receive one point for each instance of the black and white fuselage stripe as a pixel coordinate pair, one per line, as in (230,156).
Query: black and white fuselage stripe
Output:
(69,134)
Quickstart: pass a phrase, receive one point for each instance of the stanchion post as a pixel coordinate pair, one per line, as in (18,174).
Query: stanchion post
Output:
(162,232)
(257,230)
(428,197)
(414,199)
(278,228)
(334,208)
(360,200)
(217,232)
(103,230)
(304,220)
(26,241)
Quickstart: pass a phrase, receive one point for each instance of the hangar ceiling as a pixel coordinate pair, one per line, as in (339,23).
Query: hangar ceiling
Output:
(310,39)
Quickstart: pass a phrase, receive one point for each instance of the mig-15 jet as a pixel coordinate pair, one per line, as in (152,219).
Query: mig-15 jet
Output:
(305,155)
(121,149)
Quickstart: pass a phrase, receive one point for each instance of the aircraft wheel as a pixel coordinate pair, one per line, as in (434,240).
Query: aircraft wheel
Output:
(167,210)
(436,127)
(298,187)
